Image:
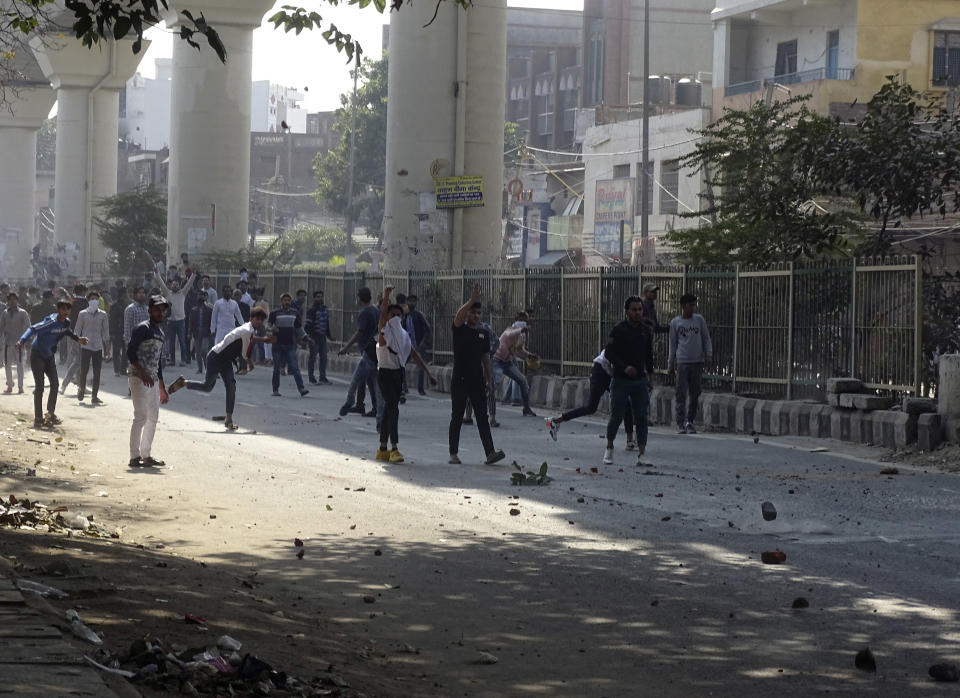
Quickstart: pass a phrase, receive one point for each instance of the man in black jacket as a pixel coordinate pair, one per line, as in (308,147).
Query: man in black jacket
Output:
(630,350)
(116,332)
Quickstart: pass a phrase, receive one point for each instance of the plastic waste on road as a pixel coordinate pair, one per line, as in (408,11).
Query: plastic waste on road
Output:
(228,643)
(41,589)
(81,630)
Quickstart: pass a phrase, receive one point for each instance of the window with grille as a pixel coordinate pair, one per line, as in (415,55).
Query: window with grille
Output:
(669,186)
(786,58)
(946,58)
(621,171)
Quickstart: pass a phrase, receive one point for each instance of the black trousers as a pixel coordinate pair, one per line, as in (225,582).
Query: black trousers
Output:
(599,384)
(86,357)
(119,355)
(476,392)
(390,381)
(218,366)
(44,365)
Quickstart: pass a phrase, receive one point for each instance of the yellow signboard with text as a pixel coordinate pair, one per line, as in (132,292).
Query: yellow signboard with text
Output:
(459,192)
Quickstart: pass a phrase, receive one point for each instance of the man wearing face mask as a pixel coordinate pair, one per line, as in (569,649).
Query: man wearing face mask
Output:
(94,324)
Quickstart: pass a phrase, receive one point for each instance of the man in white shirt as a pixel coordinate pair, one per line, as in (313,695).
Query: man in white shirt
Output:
(233,350)
(226,315)
(94,324)
(208,289)
(177,322)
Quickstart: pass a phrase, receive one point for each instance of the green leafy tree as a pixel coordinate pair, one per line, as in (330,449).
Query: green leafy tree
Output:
(513,140)
(902,160)
(307,243)
(332,168)
(766,173)
(131,224)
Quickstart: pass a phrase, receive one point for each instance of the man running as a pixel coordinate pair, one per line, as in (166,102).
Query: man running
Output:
(600,376)
(45,335)
(285,322)
(365,372)
(235,348)
(471,363)
(630,351)
(14,321)
(145,354)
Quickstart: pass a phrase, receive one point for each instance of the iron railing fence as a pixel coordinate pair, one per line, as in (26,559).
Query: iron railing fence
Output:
(778,331)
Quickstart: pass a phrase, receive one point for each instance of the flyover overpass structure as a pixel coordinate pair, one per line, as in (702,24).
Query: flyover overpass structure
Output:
(445,120)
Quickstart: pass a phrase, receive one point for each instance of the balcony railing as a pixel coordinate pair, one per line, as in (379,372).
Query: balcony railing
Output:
(791,79)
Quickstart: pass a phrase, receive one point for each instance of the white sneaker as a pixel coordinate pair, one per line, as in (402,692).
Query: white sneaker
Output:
(553,427)
(631,444)
(690,428)
(608,456)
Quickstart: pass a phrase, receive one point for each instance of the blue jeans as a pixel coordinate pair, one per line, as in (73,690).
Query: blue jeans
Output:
(365,373)
(286,356)
(318,350)
(510,370)
(176,331)
(636,391)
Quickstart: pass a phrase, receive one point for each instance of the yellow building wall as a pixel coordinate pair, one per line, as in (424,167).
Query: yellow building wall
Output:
(893,38)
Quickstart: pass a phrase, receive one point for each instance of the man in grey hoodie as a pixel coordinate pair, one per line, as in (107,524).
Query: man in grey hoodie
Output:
(690,346)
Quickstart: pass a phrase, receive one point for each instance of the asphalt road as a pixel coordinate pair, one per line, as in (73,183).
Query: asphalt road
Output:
(622,582)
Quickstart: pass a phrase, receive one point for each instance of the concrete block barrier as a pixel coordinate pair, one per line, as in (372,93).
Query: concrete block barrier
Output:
(913,423)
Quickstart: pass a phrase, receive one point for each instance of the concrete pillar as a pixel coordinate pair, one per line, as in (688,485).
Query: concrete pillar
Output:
(948,394)
(88,83)
(444,117)
(209,177)
(18,175)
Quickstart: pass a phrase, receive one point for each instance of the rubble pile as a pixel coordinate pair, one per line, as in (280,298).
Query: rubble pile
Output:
(219,669)
(32,515)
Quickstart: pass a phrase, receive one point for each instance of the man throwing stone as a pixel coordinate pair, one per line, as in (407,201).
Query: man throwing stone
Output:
(471,362)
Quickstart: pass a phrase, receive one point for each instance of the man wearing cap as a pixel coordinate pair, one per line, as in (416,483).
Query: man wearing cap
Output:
(147,390)
(690,346)
(650,291)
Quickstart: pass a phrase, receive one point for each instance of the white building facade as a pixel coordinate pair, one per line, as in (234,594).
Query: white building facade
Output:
(611,156)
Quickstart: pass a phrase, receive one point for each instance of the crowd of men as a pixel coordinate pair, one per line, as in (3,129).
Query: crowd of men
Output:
(140,324)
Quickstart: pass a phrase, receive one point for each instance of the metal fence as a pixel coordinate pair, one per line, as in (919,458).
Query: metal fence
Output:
(778,331)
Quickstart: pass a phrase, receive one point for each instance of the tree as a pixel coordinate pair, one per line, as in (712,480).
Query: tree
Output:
(332,168)
(133,223)
(764,170)
(901,160)
(309,243)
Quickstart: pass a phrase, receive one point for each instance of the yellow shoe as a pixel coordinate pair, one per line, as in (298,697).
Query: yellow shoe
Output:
(383,454)
(396,456)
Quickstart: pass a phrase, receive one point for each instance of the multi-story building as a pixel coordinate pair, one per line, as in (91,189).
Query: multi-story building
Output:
(321,124)
(544,74)
(838,52)
(612,170)
(145,108)
(272,105)
(613,31)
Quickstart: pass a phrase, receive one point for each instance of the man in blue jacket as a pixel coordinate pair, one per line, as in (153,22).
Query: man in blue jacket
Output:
(45,335)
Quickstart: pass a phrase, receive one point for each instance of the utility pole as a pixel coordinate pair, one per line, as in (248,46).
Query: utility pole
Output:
(645,129)
(349,256)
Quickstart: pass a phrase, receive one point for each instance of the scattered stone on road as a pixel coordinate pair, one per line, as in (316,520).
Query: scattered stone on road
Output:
(865,660)
(944,672)
(769,511)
